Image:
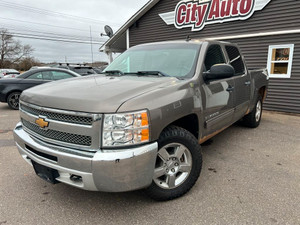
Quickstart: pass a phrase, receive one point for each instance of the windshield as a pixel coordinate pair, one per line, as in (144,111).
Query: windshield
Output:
(176,60)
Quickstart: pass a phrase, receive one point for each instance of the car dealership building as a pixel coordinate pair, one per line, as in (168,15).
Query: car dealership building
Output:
(267,31)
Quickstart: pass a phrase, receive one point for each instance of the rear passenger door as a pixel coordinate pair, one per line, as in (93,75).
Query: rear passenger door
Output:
(242,81)
(218,96)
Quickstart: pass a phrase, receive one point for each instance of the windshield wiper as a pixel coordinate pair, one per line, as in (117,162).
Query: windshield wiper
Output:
(113,72)
(157,73)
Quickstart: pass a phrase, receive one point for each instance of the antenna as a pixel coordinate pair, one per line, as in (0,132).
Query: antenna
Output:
(108,30)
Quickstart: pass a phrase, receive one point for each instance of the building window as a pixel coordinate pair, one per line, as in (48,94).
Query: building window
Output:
(280,60)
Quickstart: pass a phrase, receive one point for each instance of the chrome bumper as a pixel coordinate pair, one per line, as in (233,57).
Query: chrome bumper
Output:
(107,170)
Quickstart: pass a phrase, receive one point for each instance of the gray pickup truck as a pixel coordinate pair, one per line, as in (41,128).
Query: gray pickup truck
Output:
(140,124)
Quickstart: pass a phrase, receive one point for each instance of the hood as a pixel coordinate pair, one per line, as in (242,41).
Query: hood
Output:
(94,94)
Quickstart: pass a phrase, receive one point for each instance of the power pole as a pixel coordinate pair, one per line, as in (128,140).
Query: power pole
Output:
(91,45)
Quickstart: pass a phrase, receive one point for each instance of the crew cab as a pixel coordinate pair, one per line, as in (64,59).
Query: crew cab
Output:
(140,124)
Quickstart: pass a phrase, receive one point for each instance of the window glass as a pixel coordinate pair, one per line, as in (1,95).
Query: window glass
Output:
(47,75)
(280,54)
(236,60)
(36,76)
(280,60)
(213,56)
(58,75)
(174,59)
(83,70)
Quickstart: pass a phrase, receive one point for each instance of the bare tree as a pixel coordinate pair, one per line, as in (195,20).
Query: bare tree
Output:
(26,63)
(12,51)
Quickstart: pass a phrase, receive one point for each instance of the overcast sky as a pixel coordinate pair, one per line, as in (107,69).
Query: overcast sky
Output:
(66,20)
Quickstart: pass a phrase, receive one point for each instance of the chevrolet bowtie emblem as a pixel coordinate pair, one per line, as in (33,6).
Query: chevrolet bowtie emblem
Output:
(42,123)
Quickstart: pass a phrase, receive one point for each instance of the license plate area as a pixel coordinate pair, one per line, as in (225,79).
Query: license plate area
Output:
(46,173)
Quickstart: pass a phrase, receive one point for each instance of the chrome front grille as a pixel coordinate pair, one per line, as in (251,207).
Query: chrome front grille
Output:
(58,116)
(59,136)
(66,129)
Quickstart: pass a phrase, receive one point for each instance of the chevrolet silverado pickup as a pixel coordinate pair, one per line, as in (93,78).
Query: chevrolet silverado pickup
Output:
(141,123)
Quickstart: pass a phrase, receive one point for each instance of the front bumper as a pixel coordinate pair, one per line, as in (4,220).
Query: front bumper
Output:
(106,170)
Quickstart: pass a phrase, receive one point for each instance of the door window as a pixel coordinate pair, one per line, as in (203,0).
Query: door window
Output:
(58,75)
(213,56)
(36,76)
(47,75)
(236,60)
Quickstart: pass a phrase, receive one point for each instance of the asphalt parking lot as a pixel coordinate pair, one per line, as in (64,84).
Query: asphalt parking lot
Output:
(249,176)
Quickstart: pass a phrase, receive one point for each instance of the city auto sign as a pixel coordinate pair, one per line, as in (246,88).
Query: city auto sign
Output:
(197,14)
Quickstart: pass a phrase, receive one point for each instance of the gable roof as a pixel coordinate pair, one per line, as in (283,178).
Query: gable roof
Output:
(119,38)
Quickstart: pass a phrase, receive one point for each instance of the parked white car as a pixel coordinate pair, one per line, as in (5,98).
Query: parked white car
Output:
(8,72)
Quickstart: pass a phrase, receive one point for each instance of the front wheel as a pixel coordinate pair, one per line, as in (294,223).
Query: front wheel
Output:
(13,100)
(178,164)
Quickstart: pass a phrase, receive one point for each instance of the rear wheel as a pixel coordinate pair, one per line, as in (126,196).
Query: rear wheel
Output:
(178,164)
(253,118)
(13,100)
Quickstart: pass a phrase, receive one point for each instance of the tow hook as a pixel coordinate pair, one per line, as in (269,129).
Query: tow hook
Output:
(75,178)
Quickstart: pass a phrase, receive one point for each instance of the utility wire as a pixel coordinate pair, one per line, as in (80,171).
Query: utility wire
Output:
(49,12)
(46,36)
(43,24)
(57,40)
(49,34)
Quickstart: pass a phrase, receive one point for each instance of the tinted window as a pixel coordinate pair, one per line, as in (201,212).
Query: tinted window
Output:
(214,56)
(235,59)
(36,76)
(58,75)
(83,70)
(47,75)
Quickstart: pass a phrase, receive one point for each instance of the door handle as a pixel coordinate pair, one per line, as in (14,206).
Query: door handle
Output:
(247,83)
(230,89)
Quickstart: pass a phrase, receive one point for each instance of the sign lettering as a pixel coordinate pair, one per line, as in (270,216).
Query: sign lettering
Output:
(198,13)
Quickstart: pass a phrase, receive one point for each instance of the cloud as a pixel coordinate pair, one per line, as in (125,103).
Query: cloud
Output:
(23,17)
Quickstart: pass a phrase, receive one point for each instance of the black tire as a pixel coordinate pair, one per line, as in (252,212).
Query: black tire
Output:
(254,117)
(13,100)
(182,164)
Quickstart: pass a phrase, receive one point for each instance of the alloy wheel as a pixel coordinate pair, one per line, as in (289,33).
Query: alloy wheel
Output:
(173,166)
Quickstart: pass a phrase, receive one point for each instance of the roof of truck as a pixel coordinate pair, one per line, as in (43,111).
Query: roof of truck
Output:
(189,41)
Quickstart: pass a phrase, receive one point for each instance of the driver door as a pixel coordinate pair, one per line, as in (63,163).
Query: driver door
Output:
(218,95)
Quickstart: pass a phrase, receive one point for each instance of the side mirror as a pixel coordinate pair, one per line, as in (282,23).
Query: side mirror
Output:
(219,71)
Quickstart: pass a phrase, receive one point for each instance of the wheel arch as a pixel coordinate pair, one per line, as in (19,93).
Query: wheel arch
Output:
(263,92)
(11,91)
(189,122)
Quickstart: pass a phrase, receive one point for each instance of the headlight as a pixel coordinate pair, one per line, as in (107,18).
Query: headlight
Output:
(125,129)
